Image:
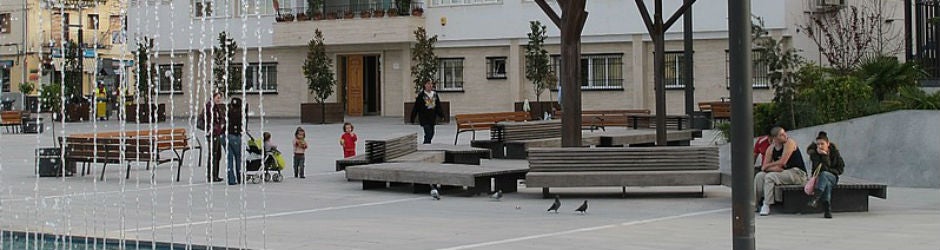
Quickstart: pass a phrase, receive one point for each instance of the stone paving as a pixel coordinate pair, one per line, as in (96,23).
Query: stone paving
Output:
(324,211)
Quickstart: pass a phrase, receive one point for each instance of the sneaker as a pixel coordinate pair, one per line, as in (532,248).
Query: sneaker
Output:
(765,210)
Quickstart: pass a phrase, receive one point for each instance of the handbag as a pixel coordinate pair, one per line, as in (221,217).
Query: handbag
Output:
(810,187)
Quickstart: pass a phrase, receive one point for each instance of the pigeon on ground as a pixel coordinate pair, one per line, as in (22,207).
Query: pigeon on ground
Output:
(434,193)
(498,195)
(582,208)
(555,205)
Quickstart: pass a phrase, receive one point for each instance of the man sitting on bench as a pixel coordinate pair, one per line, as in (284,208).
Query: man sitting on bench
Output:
(784,166)
(825,155)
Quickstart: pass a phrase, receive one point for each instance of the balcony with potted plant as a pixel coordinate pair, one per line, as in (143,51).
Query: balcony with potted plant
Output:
(353,21)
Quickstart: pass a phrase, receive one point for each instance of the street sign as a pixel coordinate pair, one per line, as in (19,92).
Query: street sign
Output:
(89,53)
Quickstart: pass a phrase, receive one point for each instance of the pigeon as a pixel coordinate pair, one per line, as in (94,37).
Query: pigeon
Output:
(434,194)
(555,205)
(497,195)
(582,208)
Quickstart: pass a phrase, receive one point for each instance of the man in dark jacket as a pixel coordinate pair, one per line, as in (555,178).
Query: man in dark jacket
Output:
(428,109)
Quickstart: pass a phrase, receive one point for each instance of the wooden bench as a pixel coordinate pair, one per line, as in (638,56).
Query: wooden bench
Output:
(11,119)
(436,153)
(721,111)
(622,167)
(677,122)
(109,150)
(175,140)
(850,195)
(382,150)
(515,137)
(600,119)
(484,121)
(421,175)
(458,154)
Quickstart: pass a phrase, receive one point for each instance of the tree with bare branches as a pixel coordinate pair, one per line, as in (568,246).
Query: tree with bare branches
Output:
(846,35)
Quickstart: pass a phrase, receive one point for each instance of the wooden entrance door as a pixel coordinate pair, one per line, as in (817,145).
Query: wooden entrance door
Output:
(354,89)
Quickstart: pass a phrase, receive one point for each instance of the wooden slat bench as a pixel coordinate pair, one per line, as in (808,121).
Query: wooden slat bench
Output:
(515,137)
(382,150)
(175,140)
(483,121)
(11,119)
(421,175)
(677,122)
(110,150)
(622,167)
(635,138)
(850,195)
(600,119)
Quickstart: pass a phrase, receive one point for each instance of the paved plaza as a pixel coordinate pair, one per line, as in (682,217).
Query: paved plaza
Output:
(324,211)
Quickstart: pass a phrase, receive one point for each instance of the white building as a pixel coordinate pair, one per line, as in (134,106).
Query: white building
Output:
(480,47)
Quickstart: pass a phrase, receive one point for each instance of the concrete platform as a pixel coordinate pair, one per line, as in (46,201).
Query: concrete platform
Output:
(324,211)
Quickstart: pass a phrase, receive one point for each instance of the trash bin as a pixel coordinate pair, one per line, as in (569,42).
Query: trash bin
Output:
(7,104)
(701,120)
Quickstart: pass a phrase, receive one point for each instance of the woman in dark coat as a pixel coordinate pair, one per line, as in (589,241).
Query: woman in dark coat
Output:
(825,155)
(428,109)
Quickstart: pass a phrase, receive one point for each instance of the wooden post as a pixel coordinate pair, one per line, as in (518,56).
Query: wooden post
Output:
(571,23)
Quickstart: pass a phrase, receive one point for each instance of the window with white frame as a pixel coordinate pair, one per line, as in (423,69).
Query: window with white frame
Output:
(450,74)
(260,77)
(258,7)
(293,7)
(675,78)
(760,70)
(210,8)
(598,71)
(496,67)
(439,3)
(170,79)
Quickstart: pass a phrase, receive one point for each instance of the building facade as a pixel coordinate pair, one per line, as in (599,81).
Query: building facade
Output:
(480,50)
(35,33)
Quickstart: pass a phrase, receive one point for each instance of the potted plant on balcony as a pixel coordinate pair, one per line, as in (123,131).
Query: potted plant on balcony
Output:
(315,10)
(393,11)
(349,14)
(331,15)
(365,14)
(288,17)
(378,13)
(317,69)
(417,11)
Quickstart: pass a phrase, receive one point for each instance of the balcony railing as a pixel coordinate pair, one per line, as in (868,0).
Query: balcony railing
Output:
(350,10)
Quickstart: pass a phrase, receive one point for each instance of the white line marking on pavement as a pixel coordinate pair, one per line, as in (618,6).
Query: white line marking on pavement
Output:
(102,192)
(586,229)
(273,215)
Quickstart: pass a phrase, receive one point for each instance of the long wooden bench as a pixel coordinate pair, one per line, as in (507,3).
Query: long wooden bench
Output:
(484,121)
(11,119)
(175,140)
(677,122)
(850,195)
(600,119)
(421,175)
(516,137)
(406,149)
(110,150)
(622,167)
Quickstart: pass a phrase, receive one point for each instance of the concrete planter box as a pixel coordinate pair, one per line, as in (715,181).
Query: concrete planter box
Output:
(142,114)
(311,113)
(535,112)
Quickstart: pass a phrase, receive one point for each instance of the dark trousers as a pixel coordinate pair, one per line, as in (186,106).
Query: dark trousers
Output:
(428,133)
(212,172)
(299,165)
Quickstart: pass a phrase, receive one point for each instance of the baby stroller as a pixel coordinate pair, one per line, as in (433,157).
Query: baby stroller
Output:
(262,165)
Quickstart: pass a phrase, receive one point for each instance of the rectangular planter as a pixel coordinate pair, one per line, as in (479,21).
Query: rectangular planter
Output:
(134,111)
(445,106)
(76,112)
(311,113)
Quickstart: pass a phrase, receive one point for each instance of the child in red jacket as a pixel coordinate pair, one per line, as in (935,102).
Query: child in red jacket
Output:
(348,140)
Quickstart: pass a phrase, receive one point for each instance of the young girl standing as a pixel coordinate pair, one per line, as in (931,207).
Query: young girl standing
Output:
(348,140)
(300,146)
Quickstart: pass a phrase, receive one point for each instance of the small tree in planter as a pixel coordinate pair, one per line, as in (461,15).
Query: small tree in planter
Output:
(27,88)
(425,67)
(145,69)
(537,68)
(319,73)
(316,9)
(227,78)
